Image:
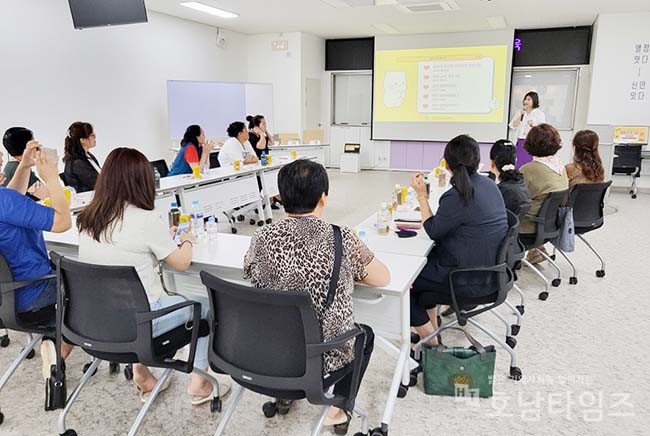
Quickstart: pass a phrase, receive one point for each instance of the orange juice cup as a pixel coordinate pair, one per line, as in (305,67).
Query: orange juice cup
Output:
(405,193)
(47,202)
(236,165)
(68,195)
(269,161)
(294,154)
(196,171)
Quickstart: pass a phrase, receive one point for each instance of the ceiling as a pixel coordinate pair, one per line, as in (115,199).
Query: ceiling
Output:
(320,18)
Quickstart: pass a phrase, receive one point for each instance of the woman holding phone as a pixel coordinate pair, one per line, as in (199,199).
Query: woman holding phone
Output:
(529,116)
(81,167)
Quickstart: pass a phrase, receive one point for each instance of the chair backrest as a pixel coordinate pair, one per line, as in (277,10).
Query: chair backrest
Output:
(588,202)
(7,299)
(548,226)
(515,251)
(100,304)
(161,166)
(214,160)
(627,158)
(260,336)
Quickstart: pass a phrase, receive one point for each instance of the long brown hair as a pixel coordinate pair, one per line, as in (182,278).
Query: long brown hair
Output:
(126,179)
(586,156)
(76,132)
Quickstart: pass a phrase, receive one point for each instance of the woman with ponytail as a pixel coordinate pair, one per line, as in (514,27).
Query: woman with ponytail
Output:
(81,167)
(510,181)
(259,136)
(587,167)
(468,228)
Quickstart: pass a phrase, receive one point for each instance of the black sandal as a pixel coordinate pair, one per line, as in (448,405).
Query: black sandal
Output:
(342,429)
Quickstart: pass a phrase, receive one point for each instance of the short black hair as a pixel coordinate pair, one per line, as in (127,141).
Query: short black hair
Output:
(15,140)
(535,97)
(302,184)
(543,140)
(236,128)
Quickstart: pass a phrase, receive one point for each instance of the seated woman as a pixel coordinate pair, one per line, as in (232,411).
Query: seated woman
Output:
(194,151)
(509,180)
(587,167)
(81,167)
(545,174)
(121,227)
(468,228)
(237,147)
(260,138)
(297,254)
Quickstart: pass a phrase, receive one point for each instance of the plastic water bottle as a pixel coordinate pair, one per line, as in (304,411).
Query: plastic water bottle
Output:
(196,216)
(156,175)
(263,159)
(383,219)
(212,229)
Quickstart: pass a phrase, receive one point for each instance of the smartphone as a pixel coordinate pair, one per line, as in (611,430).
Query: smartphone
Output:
(52,155)
(182,228)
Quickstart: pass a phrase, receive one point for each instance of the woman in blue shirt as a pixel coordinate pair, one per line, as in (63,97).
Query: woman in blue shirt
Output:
(194,151)
(468,228)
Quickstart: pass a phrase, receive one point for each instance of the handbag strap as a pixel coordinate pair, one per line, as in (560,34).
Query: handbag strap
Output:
(338,257)
(476,344)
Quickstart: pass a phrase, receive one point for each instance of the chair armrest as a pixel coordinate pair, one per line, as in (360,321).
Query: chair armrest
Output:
(145,317)
(7,287)
(337,342)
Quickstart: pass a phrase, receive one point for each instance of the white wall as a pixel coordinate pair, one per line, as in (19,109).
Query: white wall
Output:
(312,66)
(115,78)
(282,69)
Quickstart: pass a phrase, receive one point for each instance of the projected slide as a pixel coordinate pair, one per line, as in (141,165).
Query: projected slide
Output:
(459,84)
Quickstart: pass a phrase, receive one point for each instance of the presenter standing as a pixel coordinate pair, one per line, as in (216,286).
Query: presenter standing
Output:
(530,116)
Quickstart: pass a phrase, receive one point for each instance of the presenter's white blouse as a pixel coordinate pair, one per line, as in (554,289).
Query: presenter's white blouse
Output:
(536,115)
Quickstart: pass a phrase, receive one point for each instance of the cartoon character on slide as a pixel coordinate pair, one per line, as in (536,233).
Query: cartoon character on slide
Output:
(394,88)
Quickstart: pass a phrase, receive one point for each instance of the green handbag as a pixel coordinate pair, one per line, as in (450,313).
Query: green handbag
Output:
(459,372)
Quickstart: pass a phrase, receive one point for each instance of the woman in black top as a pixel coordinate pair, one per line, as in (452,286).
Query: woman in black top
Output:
(259,137)
(81,167)
(510,181)
(468,228)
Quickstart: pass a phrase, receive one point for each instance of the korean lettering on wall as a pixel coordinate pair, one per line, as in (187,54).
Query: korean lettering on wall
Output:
(640,67)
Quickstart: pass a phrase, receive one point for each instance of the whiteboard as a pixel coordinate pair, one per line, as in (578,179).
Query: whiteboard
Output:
(214,105)
(557,88)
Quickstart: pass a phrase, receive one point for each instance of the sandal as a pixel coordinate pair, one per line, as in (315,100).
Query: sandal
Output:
(340,424)
(144,396)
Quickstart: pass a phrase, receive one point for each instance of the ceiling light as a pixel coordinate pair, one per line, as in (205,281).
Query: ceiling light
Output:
(209,9)
(386,28)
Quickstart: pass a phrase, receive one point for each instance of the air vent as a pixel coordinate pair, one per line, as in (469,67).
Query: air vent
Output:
(426,6)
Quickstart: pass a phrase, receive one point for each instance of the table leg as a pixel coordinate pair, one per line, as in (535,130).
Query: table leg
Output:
(265,198)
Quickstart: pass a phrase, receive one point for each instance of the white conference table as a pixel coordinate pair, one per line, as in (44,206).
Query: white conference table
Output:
(386,309)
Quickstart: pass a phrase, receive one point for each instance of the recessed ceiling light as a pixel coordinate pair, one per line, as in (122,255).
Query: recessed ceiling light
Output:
(209,9)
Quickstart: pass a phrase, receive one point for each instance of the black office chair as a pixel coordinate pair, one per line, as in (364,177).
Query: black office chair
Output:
(270,342)
(588,202)
(9,319)
(627,161)
(548,228)
(214,160)
(161,166)
(105,311)
(499,280)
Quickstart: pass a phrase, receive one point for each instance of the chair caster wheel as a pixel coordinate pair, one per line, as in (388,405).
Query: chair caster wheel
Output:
(260,223)
(5,341)
(87,367)
(633,195)
(215,405)
(269,221)
(233,230)
(520,309)
(573,280)
(413,380)
(252,222)
(556,282)
(114,368)
(241,218)
(283,406)
(378,432)
(402,391)
(515,373)
(69,432)
(552,256)
(599,273)
(415,338)
(31,354)
(514,329)
(543,296)
(270,409)
(2,417)
(128,372)
(512,342)
(360,434)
